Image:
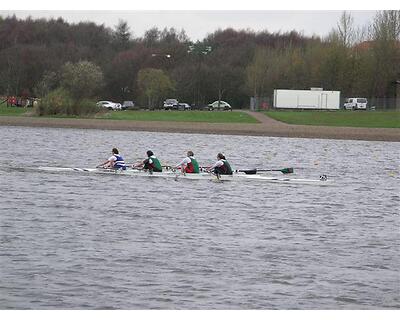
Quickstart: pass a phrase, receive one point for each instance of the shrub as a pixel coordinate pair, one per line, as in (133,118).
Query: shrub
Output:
(60,102)
(56,102)
(87,106)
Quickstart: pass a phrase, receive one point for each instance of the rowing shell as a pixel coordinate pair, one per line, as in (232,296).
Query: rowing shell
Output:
(196,176)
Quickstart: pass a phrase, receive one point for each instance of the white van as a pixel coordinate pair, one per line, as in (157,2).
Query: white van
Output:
(355,104)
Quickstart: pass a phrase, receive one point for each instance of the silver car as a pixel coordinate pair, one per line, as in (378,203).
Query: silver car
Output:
(170,104)
(109,105)
(128,105)
(219,105)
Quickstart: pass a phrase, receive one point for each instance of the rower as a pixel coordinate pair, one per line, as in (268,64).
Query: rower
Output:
(221,167)
(188,164)
(151,163)
(115,161)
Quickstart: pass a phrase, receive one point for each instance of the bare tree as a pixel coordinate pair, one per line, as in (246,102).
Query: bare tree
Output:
(346,31)
(255,72)
(386,26)
(385,33)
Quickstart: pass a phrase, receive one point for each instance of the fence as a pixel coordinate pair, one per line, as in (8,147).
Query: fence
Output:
(374,103)
(384,103)
(260,103)
(19,101)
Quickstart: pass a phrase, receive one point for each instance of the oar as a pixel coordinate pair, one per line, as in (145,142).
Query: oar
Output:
(254,171)
(130,165)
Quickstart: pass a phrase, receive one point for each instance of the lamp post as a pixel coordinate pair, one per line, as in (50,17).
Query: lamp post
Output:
(161,60)
(200,50)
(166,55)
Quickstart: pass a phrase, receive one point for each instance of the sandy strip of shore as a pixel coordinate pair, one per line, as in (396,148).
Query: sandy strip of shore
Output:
(266,127)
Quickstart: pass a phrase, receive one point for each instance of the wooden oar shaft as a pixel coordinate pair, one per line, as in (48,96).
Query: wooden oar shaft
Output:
(254,171)
(263,170)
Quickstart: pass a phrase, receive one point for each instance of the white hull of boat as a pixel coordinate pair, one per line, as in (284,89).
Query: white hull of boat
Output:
(200,176)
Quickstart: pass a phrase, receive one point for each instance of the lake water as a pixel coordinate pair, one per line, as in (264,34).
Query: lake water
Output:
(81,241)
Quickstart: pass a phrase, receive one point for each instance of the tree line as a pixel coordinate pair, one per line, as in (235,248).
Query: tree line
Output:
(38,56)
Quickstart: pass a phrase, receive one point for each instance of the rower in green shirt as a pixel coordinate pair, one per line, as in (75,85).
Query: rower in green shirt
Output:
(151,163)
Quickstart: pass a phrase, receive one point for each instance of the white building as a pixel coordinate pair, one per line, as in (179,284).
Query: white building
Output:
(315,98)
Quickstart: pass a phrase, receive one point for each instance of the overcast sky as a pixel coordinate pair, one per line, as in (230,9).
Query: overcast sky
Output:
(198,24)
(310,17)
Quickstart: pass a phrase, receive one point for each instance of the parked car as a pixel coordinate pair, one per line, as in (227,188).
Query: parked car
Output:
(355,104)
(170,104)
(199,106)
(109,105)
(219,105)
(128,105)
(184,106)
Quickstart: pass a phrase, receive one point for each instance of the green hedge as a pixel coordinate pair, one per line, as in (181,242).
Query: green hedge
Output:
(60,102)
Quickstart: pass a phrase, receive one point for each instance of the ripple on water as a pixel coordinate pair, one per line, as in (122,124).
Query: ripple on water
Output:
(77,241)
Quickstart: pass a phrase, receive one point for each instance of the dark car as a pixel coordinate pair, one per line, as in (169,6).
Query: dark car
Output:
(184,106)
(128,105)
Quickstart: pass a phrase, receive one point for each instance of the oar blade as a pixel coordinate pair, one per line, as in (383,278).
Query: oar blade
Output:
(254,171)
(251,171)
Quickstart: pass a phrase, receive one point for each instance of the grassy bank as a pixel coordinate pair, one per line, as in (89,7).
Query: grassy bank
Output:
(366,119)
(11,111)
(182,116)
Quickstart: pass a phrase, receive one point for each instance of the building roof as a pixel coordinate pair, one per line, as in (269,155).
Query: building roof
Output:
(369,44)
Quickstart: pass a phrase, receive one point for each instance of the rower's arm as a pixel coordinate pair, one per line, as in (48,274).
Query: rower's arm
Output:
(103,164)
(139,164)
(180,164)
(217,164)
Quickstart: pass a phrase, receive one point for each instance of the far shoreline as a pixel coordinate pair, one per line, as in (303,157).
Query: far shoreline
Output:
(267,127)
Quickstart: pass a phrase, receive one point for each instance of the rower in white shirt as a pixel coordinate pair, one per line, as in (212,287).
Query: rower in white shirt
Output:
(221,167)
(188,164)
(114,162)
